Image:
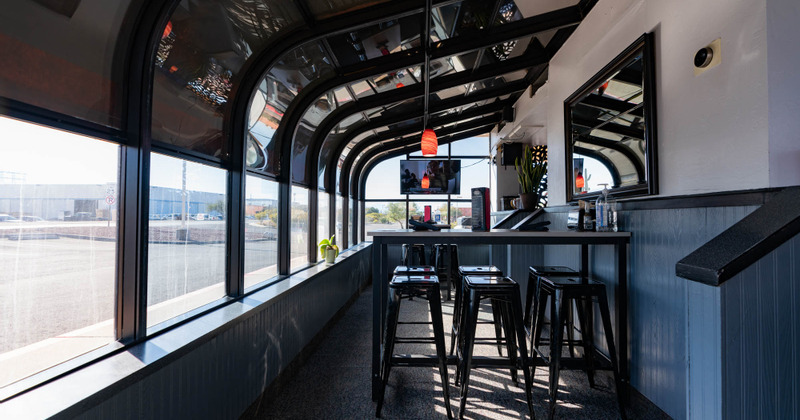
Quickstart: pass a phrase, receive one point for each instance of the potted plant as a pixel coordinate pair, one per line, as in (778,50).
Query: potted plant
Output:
(328,250)
(530,174)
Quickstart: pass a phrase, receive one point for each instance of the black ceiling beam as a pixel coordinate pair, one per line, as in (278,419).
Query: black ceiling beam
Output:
(477,40)
(604,102)
(330,171)
(364,167)
(594,124)
(442,133)
(328,125)
(617,146)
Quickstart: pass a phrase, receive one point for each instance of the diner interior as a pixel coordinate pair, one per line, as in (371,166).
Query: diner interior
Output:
(381,209)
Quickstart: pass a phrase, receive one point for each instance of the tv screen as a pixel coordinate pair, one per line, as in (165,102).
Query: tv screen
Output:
(430,177)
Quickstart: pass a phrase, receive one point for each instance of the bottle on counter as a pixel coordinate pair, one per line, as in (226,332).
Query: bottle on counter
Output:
(601,210)
(588,222)
(612,215)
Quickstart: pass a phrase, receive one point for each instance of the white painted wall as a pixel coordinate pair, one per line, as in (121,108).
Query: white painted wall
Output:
(712,129)
(783,34)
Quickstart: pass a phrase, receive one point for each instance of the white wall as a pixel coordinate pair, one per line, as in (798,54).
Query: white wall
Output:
(783,34)
(713,128)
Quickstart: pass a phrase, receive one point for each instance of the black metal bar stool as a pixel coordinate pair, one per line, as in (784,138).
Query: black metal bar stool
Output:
(414,270)
(563,291)
(404,287)
(535,273)
(445,259)
(506,292)
(414,254)
(459,310)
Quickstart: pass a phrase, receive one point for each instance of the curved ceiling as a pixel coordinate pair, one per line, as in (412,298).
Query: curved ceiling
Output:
(328,86)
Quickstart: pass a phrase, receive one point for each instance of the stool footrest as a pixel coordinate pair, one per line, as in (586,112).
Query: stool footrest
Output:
(414,340)
(493,361)
(408,360)
(415,323)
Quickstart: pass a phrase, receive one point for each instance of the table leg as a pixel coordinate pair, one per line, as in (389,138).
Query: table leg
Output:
(621,250)
(378,302)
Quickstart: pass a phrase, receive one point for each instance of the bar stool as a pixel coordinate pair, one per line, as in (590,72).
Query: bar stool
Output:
(414,270)
(404,287)
(505,291)
(459,310)
(535,273)
(562,291)
(445,259)
(414,254)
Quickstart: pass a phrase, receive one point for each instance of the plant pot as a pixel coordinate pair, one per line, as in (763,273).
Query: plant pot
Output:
(529,201)
(330,255)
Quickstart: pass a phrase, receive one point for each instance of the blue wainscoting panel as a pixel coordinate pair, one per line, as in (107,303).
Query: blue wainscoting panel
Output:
(761,337)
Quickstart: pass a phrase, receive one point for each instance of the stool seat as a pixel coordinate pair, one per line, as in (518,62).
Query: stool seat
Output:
(414,269)
(563,282)
(552,270)
(466,270)
(413,279)
(489,281)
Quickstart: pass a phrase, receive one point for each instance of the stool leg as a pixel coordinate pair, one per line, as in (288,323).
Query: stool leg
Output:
(469,341)
(539,321)
(511,343)
(612,351)
(588,342)
(558,312)
(570,324)
(434,300)
(392,316)
(456,314)
(516,317)
(498,326)
(529,300)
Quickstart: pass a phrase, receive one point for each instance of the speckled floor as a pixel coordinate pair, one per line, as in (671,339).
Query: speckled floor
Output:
(334,383)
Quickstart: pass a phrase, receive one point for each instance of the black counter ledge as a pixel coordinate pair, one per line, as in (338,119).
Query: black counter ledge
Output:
(744,243)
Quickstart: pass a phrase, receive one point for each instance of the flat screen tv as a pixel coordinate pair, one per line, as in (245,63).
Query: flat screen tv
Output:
(430,177)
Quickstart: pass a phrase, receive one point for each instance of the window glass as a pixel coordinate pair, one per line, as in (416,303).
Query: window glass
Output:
(438,210)
(384,215)
(57,55)
(384,181)
(330,8)
(298,244)
(187,237)
(323,215)
(58,224)
(474,146)
(260,230)
(351,224)
(474,174)
(202,49)
(339,240)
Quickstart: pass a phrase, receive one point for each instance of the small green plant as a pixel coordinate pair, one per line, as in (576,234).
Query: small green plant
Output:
(328,243)
(530,173)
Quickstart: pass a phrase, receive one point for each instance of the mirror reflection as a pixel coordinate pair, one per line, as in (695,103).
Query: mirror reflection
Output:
(609,133)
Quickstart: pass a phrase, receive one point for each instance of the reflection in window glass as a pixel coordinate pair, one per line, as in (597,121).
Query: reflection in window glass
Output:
(298,244)
(323,215)
(438,210)
(339,220)
(260,230)
(187,236)
(58,223)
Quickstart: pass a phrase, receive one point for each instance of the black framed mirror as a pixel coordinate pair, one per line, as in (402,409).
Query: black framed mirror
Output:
(610,128)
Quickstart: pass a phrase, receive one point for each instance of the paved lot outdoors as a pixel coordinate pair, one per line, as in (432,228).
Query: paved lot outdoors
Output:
(63,287)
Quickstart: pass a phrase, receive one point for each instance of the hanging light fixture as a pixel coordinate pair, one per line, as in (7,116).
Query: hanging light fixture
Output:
(579,182)
(426,182)
(430,145)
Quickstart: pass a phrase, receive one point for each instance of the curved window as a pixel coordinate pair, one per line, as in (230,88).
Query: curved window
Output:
(58,224)
(298,244)
(323,215)
(57,54)
(202,49)
(186,249)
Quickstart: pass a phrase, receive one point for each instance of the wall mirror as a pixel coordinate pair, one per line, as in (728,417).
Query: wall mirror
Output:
(611,128)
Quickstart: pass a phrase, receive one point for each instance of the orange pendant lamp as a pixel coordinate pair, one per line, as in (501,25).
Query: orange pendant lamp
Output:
(426,182)
(429,143)
(579,181)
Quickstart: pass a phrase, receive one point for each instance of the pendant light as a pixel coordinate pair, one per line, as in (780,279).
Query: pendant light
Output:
(579,182)
(430,145)
(426,182)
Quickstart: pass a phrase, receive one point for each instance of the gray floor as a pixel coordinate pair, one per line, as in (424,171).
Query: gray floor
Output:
(335,382)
